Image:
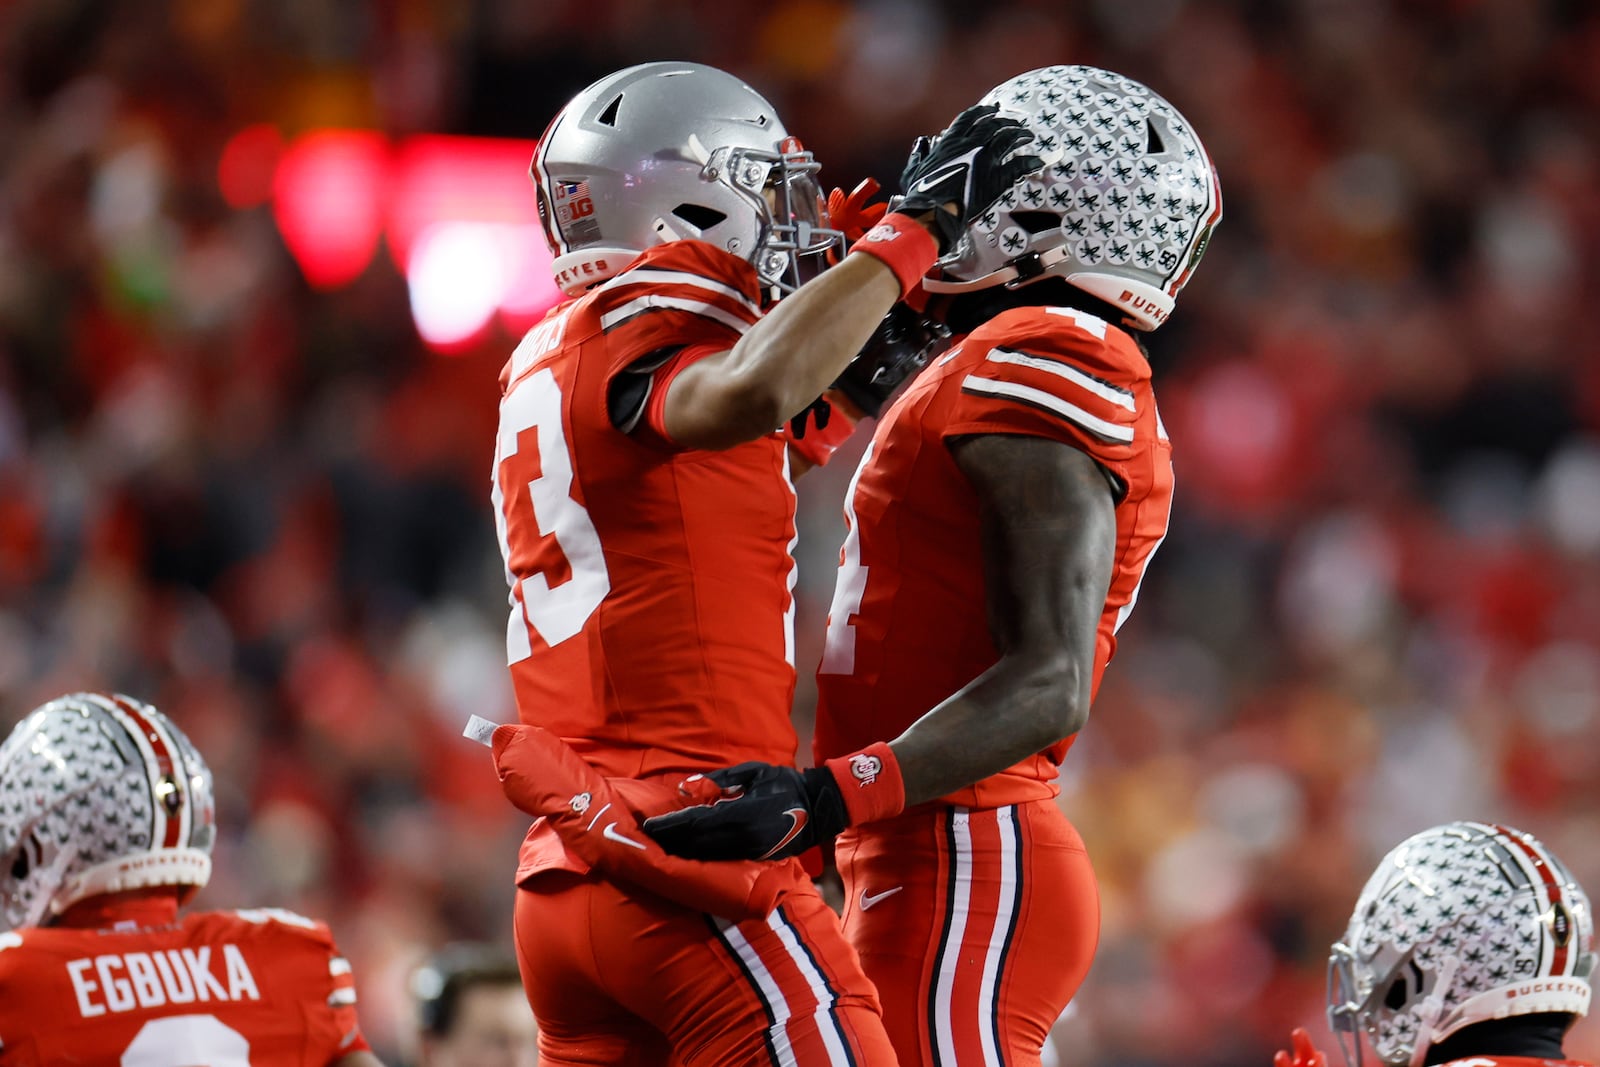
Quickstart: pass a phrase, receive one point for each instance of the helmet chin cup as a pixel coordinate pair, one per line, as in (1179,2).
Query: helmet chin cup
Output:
(1144,306)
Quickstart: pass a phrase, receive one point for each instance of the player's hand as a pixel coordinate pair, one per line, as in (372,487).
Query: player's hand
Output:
(765,812)
(901,345)
(818,431)
(963,171)
(1305,1053)
(544,776)
(850,213)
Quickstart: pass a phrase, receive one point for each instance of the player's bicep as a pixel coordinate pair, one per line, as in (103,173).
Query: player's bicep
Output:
(1049,531)
(713,404)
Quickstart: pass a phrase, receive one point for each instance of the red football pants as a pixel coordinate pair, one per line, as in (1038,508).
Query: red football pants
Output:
(628,979)
(976,925)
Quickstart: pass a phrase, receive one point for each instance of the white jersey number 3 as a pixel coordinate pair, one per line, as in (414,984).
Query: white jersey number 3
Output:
(555,612)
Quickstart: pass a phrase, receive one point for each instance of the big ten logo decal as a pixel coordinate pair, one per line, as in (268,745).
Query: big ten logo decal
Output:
(575,212)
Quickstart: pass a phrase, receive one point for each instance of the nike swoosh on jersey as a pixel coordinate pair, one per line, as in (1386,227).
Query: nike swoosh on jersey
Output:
(798,817)
(622,839)
(868,900)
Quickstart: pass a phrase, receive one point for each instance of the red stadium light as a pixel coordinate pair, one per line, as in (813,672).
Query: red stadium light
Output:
(464,225)
(245,170)
(329,197)
(458,215)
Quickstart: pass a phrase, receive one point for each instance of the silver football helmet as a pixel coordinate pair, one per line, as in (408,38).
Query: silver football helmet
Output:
(666,151)
(1459,924)
(99,794)
(1123,207)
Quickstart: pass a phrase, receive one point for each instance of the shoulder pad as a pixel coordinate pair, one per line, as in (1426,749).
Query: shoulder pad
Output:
(688,262)
(285,920)
(1070,335)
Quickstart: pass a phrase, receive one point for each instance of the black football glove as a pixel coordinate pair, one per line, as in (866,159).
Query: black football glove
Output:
(769,813)
(818,412)
(967,165)
(902,344)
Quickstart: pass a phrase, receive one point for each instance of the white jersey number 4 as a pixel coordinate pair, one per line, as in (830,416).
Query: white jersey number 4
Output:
(839,652)
(555,612)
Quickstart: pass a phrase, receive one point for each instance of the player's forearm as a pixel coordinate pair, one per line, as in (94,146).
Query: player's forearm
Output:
(796,351)
(1020,706)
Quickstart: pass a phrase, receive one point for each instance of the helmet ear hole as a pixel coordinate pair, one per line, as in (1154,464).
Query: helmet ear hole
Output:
(29,856)
(699,216)
(1395,998)
(1036,221)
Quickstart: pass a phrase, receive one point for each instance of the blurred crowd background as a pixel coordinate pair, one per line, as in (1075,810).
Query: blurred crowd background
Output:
(265,507)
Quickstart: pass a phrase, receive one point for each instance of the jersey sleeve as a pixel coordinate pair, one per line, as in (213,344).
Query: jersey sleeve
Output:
(678,303)
(678,295)
(1066,377)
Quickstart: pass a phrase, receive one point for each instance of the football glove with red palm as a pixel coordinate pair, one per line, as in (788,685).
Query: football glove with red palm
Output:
(1305,1053)
(545,777)
(850,214)
(767,812)
(818,431)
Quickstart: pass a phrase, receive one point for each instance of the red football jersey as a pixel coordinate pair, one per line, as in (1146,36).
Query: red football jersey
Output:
(224,989)
(1511,1061)
(651,614)
(907,627)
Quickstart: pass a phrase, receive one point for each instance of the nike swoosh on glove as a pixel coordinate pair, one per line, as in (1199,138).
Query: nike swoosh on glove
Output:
(768,812)
(970,166)
(543,776)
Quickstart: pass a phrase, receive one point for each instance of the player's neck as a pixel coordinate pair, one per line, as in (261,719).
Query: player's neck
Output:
(140,907)
(1530,1036)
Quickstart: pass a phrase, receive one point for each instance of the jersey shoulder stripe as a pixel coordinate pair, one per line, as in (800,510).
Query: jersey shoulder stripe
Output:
(620,316)
(683,276)
(1072,379)
(676,295)
(654,276)
(1042,400)
(1085,342)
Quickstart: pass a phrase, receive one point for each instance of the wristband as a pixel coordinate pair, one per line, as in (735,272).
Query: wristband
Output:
(869,783)
(903,245)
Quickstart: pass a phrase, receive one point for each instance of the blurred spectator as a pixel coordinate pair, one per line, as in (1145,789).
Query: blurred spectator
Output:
(471,1011)
(264,507)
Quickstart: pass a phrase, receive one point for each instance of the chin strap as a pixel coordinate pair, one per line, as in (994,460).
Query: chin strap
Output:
(1432,1010)
(1021,270)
